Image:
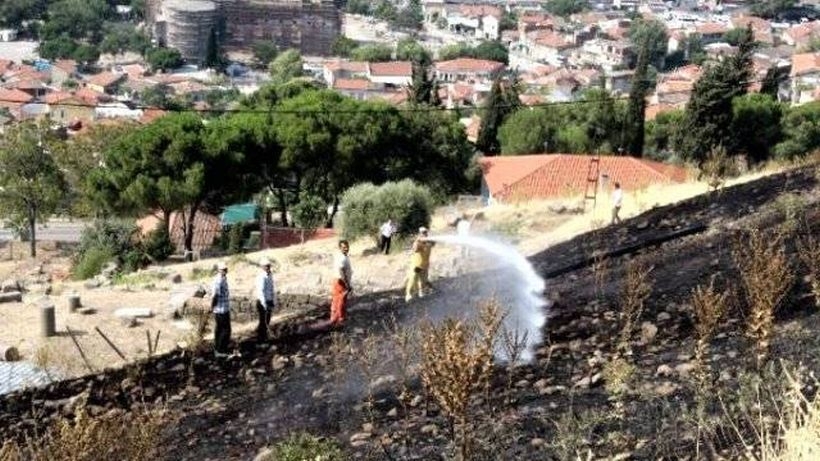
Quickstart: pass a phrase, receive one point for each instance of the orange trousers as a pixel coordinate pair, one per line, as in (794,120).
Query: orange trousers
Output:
(338,303)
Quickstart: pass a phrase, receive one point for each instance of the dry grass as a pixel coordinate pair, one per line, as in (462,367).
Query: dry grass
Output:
(636,291)
(766,278)
(131,436)
(513,343)
(709,305)
(457,360)
(715,168)
(201,320)
(808,248)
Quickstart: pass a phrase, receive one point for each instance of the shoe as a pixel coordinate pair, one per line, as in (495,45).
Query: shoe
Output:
(408,298)
(220,355)
(421,294)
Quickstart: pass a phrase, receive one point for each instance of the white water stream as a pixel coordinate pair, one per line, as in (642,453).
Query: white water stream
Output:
(518,287)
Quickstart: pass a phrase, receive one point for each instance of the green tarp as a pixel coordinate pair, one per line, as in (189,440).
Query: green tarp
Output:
(241,213)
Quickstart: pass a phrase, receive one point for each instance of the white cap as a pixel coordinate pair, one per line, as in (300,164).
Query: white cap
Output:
(264,262)
(221,266)
(422,229)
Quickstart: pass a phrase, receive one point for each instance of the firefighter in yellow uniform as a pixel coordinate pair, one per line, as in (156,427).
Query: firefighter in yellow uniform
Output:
(414,273)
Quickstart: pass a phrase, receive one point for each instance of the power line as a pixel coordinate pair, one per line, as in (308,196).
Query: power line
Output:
(274,110)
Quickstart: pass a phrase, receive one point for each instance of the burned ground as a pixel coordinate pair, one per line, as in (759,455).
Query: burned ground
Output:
(352,385)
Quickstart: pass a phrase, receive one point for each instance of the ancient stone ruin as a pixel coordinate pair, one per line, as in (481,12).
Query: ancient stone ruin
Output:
(309,26)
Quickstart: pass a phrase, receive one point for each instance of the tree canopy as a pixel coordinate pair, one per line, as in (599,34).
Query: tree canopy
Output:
(286,66)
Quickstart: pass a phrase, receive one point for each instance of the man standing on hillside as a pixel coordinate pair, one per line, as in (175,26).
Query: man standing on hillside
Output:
(341,288)
(617,201)
(385,235)
(414,280)
(220,303)
(265,300)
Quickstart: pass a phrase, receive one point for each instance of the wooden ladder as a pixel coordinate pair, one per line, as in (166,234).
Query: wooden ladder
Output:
(593,174)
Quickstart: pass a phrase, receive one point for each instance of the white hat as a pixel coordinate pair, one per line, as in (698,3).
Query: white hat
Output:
(422,229)
(264,262)
(221,266)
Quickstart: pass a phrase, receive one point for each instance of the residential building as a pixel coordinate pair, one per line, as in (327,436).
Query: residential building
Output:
(805,77)
(13,100)
(608,54)
(801,35)
(63,70)
(479,21)
(105,82)
(8,35)
(466,69)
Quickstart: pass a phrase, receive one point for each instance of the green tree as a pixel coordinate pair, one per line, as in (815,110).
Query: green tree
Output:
(31,185)
(14,12)
(286,67)
(408,49)
(424,89)
(264,53)
(492,50)
(566,7)
(454,50)
(650,35)
(367,206)
(502,101)
(734,36)
(359,7)
(636,111)
(120,37)
(410,17)
(372,53)
(801,131)
(709,111)
(756,125)
(85,54)
(166,167)
(509,21)
(343,46)
(163,58)
(770,8)
(77,19)
(213,55)
(386,11)
(660,134)
(58,48)
(529,132)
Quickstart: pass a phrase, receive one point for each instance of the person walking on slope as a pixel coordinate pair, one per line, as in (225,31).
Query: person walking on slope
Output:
(265,299)
(385,235)
(463,230)
(617,201)
(341,288)
(425,248)
(220,303)
(414,280)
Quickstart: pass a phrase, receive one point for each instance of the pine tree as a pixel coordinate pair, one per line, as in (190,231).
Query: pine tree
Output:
(635,114)
(424,89)
(502,102)
(709,111)
(212,58)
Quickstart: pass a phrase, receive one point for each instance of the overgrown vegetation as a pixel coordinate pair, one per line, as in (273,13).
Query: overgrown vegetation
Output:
(303,447)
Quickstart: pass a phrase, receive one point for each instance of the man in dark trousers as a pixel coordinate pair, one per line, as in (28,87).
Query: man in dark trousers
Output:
(385,235)
(220,303)
(265,300)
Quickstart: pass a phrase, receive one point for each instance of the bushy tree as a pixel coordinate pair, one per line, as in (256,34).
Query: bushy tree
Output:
(32,187)
(372,53)
(424,89)
(492,50)
(120,37)
(651,36)
(660,133)
(286,67)
(502,101)
(105,241)
(771,8)
(756,125)
(13,13)
(408,49)
(163,58)
(343,46)
(566,7)
(367,206)
(264,53)
(635,114)
(76,19)
(801,131)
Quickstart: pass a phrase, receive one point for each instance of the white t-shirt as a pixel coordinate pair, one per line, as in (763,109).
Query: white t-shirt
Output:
(463,227)
(617,197)
(388,229)
(341,264)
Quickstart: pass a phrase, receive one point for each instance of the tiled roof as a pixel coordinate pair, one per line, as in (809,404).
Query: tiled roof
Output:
(803,32)
(468,65)
(478,11)
(550,39)
(804,63)
(354,84)
(392,69)
(57,96)
(554,175)
(14,96)
(68,66)
(105,79)
(90,96)
(26,84)
(711,28)
(348,66)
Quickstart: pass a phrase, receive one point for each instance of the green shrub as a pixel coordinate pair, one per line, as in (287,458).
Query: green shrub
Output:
(236,236)
(310,212)
(116,240)
(91,263)
(365,207)
(157,244)
(301,447)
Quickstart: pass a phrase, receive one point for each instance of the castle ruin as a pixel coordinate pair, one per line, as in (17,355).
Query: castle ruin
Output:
(309,26)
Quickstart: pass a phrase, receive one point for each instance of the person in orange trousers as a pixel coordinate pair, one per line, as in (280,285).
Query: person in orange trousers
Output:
(341,288)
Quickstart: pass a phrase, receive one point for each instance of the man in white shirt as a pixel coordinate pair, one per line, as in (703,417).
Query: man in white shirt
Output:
(463,230)
(385,235)
(341,288)
(220,303)
(617,201)
(265,293)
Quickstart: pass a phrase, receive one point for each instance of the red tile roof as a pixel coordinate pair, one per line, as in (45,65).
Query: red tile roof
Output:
(554,175)
(355,84)
(468,65)
(348,66)
(68,66)
(15,96)
(105,79)
(57,96)
(805,63)
(711,28)
(392,69)
(90,96)
(478,11)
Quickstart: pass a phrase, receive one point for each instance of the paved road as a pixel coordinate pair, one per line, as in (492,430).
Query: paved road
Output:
(61,231)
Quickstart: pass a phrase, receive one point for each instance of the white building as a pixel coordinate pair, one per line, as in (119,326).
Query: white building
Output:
(8,35)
